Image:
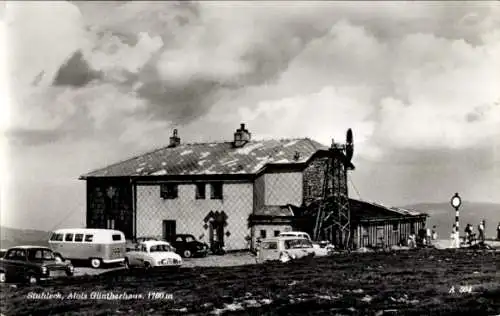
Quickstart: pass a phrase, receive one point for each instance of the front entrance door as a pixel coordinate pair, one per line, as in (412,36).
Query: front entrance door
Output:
(216,236)
(169,228)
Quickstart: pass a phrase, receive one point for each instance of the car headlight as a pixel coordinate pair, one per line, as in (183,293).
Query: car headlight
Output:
(71,268)
(44,270)
(293,256)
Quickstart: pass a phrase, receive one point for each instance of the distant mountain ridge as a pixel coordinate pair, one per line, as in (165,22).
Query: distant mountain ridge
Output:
(10,237)
(440,214)
(443,216)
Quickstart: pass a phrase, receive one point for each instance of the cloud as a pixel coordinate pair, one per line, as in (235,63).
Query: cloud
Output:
(416,81)
(386,69)
(75,72)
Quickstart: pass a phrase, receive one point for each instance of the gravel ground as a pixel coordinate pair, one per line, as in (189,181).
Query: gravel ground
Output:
(417,282)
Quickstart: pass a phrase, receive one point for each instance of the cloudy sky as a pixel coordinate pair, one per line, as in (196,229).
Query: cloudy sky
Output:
(90,83)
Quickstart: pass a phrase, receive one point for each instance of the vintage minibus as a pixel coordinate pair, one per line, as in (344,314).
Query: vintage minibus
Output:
(96,245)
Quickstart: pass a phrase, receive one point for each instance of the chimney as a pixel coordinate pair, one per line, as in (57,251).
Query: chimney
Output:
(241,136)
(174,140)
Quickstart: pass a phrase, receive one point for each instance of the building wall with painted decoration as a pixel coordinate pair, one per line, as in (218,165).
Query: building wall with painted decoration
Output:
(195,213)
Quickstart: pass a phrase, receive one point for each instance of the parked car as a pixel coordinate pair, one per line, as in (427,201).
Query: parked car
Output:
(139,240)
(284,249)
(187,246)
(322,248)
(32,264)
(152,254)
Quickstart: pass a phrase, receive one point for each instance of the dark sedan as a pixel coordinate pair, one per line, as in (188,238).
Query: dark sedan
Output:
(32,264)
(187,246)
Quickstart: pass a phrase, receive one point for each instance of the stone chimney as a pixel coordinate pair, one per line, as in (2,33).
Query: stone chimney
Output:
(241,136)
(174,140)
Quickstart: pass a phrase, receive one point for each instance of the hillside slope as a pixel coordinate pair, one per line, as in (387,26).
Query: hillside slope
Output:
(10,237)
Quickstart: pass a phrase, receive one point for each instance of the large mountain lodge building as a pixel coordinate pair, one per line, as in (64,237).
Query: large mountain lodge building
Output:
(234,192)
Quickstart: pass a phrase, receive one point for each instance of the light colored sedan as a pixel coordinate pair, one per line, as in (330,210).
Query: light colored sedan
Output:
(322,248)
(152,254)
(285,249)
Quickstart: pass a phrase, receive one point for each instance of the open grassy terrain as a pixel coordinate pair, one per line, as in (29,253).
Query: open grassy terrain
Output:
(398,283)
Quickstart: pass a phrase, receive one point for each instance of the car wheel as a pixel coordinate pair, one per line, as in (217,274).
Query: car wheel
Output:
(32,279)
(187,253)
(126,264)
(3,277)
(147,266)
(69,273)
(95,263)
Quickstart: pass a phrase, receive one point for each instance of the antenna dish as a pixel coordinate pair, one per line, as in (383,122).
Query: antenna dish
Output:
(349,148)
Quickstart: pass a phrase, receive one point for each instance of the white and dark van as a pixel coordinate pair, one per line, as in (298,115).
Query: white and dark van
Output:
(95,245)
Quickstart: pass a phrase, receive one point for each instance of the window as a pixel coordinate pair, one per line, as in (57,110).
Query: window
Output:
(40,254)
(395,227)
(200,191)
(11,254)
(117,237)
(78,237)
(190,239)
(216,191)
(263,233)
(17,254)
(276,233)
(309,190)
(364,230)
(160,248)
(168,191)
(56,237)
(68,237)
(89,238)
(270,245)
(110,224)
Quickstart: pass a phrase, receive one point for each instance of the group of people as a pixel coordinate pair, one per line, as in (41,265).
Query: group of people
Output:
(424,238)
(470,236)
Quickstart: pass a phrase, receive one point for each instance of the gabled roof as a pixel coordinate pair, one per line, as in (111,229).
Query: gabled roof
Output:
(363,210)
(214,158)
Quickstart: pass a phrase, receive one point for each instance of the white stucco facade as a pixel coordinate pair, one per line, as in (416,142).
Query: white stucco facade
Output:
(189,213)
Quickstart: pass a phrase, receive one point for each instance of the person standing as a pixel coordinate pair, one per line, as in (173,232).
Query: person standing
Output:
(434,232)
(455,238)
(468,233)
(481,227)
(428,236)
